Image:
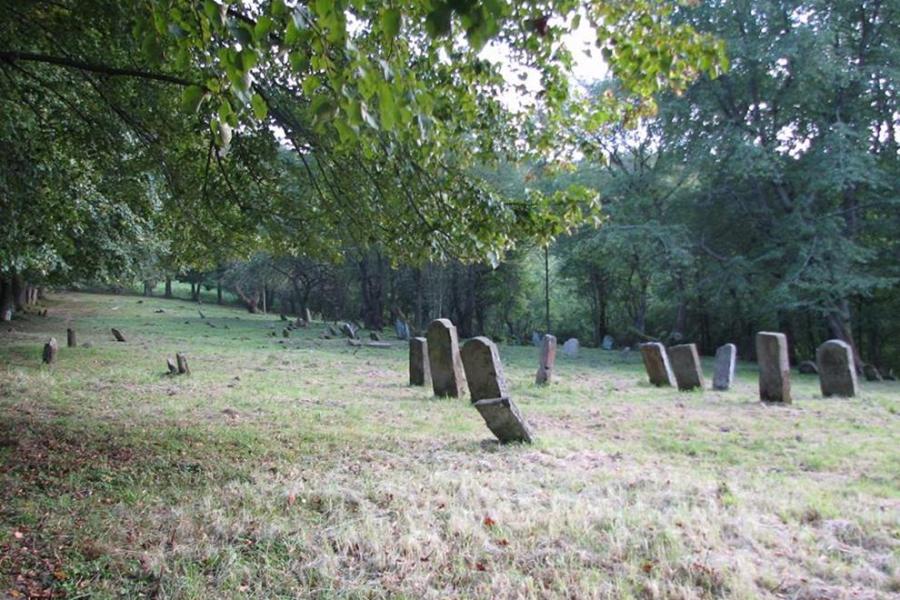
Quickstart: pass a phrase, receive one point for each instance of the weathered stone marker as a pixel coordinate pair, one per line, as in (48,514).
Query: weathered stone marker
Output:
(723,371)
(50,350)
(547,360)
(307,315)
(872,373)
(837,374)
(504,420)
(183,368)
(608,342)
(774,368)
(685,363)
(570,348)
(487,386)
(118,335)
(173,368)
(419,370)
(808,367)
(656,361)
(71,339)
(447,375)
(484,371)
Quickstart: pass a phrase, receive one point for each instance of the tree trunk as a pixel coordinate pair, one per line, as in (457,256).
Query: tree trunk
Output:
(148,288)
(18,291)
(218,291)
(168,292)
(6,299)
(840,325)
(420,300)
(371,287)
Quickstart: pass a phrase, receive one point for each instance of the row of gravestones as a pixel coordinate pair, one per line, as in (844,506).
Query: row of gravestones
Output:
(437,358)
(680,367)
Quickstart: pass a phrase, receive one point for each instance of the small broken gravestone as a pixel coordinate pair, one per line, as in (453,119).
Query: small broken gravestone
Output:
(808,367)
(608,342)
(419,370)
(348,330)
(872,373)
(448,378)
(484,372)
(173,368)
(656,362)
(723,371)
(182,362)
(571,347)
(774,368)
(118,335)
(50,350)
(487,386)
(286,332)
(837,374)
(374,336)
(686,367)
(547,360)
(71,340)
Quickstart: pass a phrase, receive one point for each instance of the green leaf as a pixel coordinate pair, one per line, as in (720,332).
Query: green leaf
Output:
(390,23)
(192,97)
(260,109)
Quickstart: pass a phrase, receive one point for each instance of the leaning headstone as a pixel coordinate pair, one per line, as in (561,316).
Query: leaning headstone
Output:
(173,368)
(401,328)
(183,368)
(570,348)
(547,360)
(872,373)
(50,350)
(448,377)
(71,339)
(504,420)
(484,372)
(608,342)
(118,335)
(685,363)
(808,367)
(774,368)
(349,330)
(723,371)
(536,339)
(837,375)
(307,315)
(374,336)
(419,371)
(656,362)
(890,376)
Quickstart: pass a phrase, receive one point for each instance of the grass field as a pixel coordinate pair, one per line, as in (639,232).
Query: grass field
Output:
(305,468)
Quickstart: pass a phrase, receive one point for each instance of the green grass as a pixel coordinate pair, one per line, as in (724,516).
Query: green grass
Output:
(302,467)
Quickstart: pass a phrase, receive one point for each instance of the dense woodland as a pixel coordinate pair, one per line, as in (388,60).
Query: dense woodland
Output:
(750,183)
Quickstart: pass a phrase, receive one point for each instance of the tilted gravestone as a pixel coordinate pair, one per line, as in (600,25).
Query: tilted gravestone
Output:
(547,360)
(118,335)
(173,368)
(686,367)
(307,316)
(419,370)
(487,386)
(183,368)
(50,350)
(837,373)
(484,371)
(71,339)
(723,371)
(447,375)
(872,373)
(570,348)
(774,368)
(656,361)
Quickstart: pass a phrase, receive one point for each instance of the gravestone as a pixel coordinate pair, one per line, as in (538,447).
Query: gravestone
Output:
(401,328)
(608,342)
(503,418)
(656,362)
(872,373)
(419,370)
(686,367)
(570,348)
(536,339)
(837,374)
(71,339)
(173,368)
(350,331)
(118,335)
(723,371)
(774,368)
(50,350)
(307,316)
(484,371)
(808,367)
(183,368)
(448,377)
(547,360)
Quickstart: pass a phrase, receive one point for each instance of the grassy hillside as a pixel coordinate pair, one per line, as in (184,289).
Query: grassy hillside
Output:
(304,467)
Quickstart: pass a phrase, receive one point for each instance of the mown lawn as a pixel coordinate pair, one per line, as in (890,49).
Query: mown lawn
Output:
(305,468)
